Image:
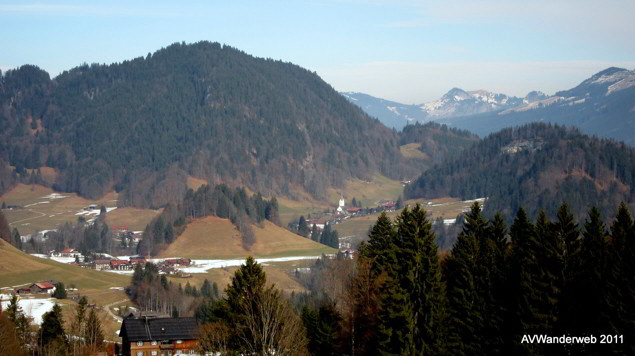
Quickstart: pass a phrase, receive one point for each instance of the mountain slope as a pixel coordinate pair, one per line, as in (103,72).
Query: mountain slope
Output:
(16,268)
(203,110)
(536,166)
(455,103)
(213,237)
(603,105)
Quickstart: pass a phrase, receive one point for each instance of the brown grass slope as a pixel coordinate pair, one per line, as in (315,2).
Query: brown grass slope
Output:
(17,268)
(216,238)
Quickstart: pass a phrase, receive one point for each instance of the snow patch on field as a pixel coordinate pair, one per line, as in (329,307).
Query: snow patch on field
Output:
(202,266)
(41,202)
(55,196)
(94,211)
(33,308)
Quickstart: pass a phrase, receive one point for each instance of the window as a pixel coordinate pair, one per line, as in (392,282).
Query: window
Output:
(139,343)
(154,353)
(153,342)
(179,341)
(139,353)
(192,352)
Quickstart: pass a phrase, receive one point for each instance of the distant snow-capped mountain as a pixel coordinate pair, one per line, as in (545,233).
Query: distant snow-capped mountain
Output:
(456,102)
(602,105)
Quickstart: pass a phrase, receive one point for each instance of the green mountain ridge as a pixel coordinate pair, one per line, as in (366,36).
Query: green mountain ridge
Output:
(536,166)
(206,110)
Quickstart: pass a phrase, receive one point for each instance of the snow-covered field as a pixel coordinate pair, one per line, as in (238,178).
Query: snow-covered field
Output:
(202,266)
(54,258)
(33,308)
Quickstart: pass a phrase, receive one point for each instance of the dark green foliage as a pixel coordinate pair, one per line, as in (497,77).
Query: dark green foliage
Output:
(323,330)
(60,291)
(439,142)
(303,228)
(534,166)
(202,109)
(411,302)
(463,271)
(5,229)
(52,328)
(330,237)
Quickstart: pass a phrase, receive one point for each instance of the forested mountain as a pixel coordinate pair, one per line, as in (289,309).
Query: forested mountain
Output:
(536,166)
(204,110)
(434,142)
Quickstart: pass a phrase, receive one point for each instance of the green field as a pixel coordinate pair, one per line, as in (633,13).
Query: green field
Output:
(43,210)
(446,208)
(216,238)
(18,268)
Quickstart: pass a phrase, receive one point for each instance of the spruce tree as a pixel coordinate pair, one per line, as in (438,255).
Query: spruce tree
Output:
(521,318)
(465,300)
(592,311)
(52,330)
(623,274)
(94,333)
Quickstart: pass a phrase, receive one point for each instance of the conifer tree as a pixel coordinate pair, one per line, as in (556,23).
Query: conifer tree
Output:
(564,247)
(521,305)
(464,299)
(592,311)
(623,274)
(94,333)
(52,335)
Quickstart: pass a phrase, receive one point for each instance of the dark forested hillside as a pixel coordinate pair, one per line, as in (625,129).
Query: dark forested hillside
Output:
(437,142)
(204,110)
(536,166)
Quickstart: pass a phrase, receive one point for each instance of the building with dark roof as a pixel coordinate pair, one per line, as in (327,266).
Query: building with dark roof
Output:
(148,336)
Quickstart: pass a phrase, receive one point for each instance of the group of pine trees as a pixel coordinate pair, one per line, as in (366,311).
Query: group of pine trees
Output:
(83,337)
(327,236)
(221,201)
(497,285)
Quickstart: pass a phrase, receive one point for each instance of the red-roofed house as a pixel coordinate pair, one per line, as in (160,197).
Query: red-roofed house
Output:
(120,265)
(43,287)
(101,264)
(137,261)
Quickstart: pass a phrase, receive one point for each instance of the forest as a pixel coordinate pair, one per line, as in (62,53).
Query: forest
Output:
(534,166)
(496,289)
(497,286)
(205,110)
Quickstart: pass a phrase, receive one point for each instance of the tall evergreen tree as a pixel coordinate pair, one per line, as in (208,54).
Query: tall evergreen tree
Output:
(623,268)
(592,311)
(52,335)
(464,297)
(521,306)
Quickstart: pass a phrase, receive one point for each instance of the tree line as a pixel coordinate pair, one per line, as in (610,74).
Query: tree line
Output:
(497,286)
(532,166)
(221,201)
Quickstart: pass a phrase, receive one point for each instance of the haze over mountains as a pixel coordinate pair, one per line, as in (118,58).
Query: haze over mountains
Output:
(602,105)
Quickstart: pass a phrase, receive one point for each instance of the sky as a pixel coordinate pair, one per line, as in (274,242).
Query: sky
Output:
(406,51)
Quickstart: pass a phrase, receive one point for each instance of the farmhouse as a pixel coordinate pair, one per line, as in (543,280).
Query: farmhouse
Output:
(177,262)
(120,265)
(42,287)
(146,336)
(101,264)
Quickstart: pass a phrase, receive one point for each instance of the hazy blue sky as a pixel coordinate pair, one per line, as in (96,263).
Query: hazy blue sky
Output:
(408,51)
